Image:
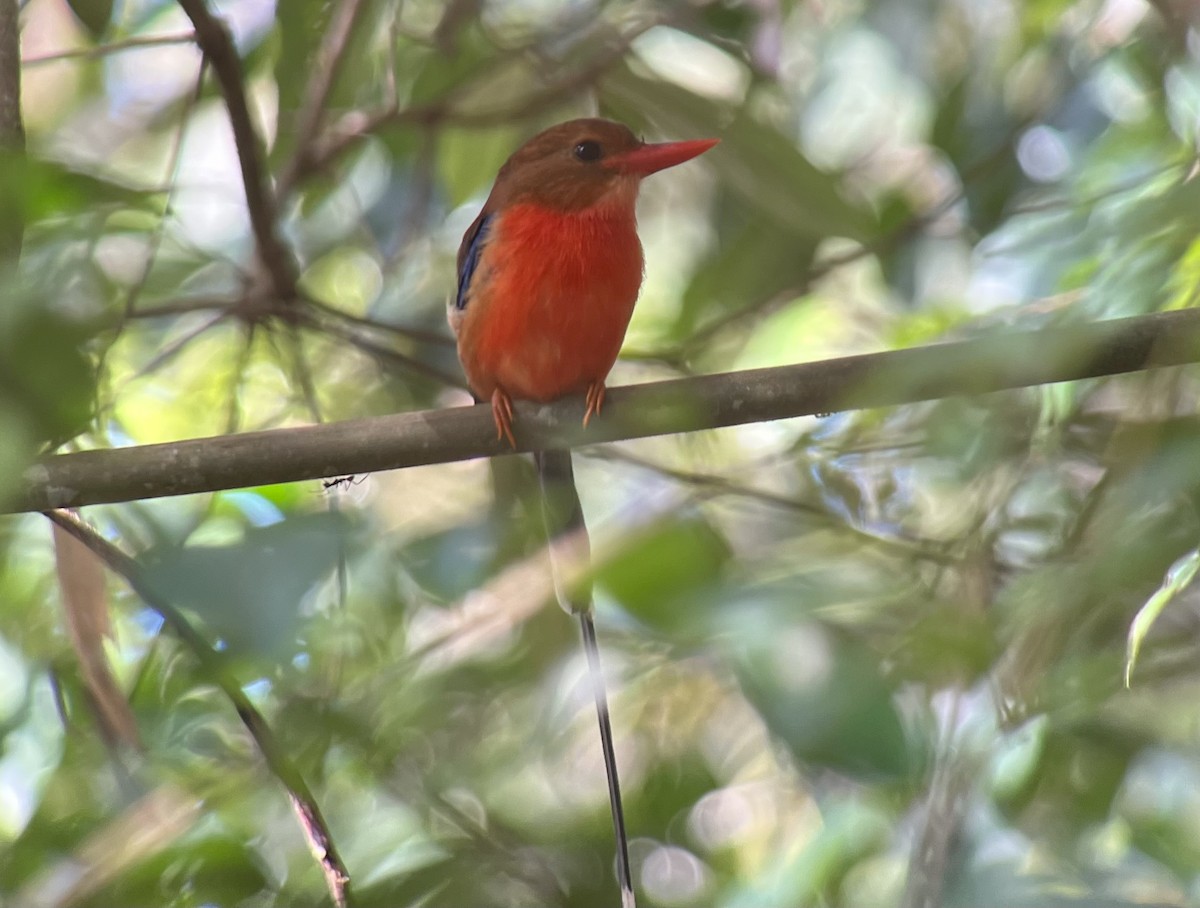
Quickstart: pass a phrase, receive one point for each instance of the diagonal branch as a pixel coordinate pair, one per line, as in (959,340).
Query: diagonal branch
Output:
(95,52)
(215,42)
(316,92)
(355,126)
(316,831)
(977,366)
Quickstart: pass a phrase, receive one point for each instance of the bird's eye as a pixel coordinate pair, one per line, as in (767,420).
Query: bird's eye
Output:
(588,150)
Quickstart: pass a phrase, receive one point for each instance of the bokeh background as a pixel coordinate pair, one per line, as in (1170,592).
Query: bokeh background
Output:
(866,659)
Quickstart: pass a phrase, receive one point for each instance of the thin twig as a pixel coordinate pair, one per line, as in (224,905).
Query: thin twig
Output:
(174,159)
(422,179)
(415,334)
(901,234)
(712,484)
(978,366)
(213,667)
(233,416)
(950,784)
(183,307)
(356,126)
(701,335)
(104,50)
(316,92)
(160,229)
(1104,194)
(303,374)
(218,48)
(175,347)
(385,354)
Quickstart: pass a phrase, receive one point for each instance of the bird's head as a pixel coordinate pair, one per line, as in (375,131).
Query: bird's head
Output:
(586,163)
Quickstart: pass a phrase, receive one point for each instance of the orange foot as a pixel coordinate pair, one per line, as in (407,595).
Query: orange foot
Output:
(595,400)
(502,414)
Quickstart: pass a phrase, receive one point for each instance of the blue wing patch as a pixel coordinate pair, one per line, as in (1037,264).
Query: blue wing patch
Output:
(466,268)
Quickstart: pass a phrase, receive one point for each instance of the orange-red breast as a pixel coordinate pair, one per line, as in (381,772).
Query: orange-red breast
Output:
(550,270)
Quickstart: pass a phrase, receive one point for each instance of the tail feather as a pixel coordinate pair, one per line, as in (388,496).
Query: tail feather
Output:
(563,515)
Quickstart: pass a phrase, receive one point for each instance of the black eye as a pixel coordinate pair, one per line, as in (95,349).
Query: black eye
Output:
(588,150)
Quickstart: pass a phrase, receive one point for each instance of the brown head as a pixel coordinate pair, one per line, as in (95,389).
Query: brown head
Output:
(580,163)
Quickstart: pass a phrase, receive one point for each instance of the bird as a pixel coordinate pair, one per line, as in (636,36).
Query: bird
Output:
(549,271)
(548,275)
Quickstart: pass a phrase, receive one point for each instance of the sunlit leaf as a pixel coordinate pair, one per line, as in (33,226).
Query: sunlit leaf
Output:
(803,876)
(1180,575)
(1015,760)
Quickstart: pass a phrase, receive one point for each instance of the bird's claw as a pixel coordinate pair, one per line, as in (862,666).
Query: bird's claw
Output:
(594,400)
(502,415)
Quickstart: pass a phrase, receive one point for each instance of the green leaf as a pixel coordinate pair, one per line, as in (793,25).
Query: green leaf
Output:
(226,870)
(94,14)
(39,190)
(753,265)
(451,563)
(662,575)
(1015,759)
(1177,579)
(756,162)
(300,25)
(440,75)
(46,381)
(811,875)
(823,696)
(467,160)
(250,592)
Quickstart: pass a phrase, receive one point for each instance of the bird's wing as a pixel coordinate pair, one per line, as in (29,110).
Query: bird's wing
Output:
(468,255)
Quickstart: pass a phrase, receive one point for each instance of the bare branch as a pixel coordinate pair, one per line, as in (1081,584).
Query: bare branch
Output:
(215,42)
(183,307)
(383,353)
(12,134)
(940,826)
(976,366)
(316,831)
(419,335)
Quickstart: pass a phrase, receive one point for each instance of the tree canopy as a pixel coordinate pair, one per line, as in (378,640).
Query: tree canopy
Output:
(934,644)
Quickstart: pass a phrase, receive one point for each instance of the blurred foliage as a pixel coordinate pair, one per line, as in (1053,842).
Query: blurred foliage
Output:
(869,659)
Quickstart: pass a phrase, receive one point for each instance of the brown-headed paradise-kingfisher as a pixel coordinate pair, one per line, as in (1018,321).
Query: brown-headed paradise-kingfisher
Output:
(547,278)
